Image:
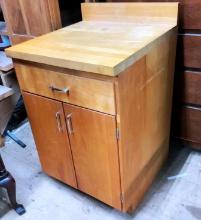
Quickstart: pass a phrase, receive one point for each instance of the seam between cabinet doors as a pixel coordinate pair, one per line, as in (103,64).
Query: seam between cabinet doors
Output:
(70,146)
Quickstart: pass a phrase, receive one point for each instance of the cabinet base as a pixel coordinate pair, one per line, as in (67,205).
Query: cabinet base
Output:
(143,182)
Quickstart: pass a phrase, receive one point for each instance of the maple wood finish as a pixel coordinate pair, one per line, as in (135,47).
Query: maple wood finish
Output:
(95,153)
(147,133)
(26,19)
(49,129)
(115,94)
(86,92)
(105,48)
(129,12)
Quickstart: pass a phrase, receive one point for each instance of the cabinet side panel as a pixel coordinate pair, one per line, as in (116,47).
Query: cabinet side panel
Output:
(144,94)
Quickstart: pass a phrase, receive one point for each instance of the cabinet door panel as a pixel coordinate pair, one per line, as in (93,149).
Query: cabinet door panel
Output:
(49,129)
(95,153)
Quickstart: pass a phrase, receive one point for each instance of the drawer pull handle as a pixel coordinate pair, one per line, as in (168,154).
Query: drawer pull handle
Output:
(69,123)
(58,119)
(55,89)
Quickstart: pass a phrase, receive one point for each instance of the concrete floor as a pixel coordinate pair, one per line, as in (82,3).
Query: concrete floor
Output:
(175,194)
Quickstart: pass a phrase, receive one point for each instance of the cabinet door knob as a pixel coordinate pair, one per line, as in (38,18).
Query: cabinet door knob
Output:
(61,90)
(69,123)
(58,119)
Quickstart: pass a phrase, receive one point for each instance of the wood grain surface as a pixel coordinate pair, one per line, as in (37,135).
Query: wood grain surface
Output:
(130,12)
(190,89)
(117,155)
(15,23)
(95,153)
(51,137)
(189,126)
(144,116)
(103,47)
(86,92)
(189,12)
(27,19)
(189,50)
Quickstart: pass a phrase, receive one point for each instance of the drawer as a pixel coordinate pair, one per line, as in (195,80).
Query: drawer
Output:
(189,126)
(190,14)
(191,87)
(189,53)
(86,92)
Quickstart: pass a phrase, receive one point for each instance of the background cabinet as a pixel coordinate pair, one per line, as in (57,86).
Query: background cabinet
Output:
(25,19)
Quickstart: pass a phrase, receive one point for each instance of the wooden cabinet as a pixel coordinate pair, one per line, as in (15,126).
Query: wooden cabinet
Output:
(49,130)
(99,98)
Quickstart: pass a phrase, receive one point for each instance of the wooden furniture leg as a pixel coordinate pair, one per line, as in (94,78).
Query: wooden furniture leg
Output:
(8,182)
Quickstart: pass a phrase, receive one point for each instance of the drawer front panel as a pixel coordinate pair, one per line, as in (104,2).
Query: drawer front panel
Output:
(190,13)
(190,124)
(86,92)
(191,87)
(189,50)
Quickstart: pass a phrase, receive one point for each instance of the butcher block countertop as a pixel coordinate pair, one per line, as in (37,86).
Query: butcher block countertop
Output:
(110,38)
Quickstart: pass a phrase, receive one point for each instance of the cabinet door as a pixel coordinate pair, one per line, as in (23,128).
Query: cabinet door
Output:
(95,153)
(49,129)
